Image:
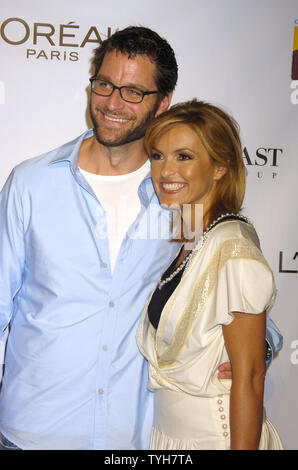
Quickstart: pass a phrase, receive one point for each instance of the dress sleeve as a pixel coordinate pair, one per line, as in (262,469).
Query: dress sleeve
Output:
(245,281)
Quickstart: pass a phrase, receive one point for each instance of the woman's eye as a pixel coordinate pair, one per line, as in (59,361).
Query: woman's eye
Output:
(183,156)
(155,156)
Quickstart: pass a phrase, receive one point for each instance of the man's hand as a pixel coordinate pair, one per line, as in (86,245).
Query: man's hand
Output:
(225,371)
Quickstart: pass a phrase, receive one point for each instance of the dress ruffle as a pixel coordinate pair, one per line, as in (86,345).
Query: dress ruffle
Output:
(159,441)
(270,439)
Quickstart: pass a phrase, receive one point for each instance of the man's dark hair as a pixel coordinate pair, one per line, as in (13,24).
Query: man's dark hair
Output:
(135,40)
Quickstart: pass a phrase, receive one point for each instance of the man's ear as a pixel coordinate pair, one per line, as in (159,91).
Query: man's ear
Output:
(164,104)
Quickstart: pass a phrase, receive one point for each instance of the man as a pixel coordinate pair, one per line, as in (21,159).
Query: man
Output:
(74,378)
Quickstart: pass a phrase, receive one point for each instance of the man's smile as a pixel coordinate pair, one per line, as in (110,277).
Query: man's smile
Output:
(115,119)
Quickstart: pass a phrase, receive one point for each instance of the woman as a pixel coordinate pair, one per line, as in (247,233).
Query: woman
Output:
(210,305)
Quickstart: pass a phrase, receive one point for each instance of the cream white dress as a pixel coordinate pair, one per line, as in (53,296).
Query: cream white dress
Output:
(227,274)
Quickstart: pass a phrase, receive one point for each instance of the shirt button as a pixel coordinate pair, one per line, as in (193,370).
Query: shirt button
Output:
(100,391)
(104,265)
(105,347)
(225,434)
(224,426)
(222,417)
(111,304)
(220,408)
(219,402)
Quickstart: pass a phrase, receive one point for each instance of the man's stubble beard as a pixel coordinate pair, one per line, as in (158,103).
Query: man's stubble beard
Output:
(130,136)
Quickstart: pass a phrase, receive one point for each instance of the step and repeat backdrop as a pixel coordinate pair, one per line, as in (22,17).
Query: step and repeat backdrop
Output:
(242,55)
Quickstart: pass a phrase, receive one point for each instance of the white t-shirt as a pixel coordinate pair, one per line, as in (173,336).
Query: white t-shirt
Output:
(120,200)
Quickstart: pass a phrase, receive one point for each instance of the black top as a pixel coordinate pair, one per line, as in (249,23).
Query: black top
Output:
(161,296)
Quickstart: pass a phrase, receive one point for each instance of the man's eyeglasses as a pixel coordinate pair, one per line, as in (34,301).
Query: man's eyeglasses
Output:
(127,93)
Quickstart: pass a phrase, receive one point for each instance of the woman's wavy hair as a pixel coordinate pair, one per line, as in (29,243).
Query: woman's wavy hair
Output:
(219,133)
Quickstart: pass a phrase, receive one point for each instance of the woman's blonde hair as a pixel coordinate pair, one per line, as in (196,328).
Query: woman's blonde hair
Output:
(219,134)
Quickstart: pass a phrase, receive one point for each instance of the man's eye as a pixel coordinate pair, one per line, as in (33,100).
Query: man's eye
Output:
(103,85)
(133,92)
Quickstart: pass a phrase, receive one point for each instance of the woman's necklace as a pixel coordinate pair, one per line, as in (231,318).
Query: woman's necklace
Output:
(199,245)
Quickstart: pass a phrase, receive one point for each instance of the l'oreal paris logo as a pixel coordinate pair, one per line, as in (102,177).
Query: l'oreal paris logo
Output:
(16,32)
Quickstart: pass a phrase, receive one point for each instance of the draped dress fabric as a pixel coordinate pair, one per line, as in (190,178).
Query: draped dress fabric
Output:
(228,274)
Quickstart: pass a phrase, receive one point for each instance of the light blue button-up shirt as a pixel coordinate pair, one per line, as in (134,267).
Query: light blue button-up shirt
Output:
(74,378)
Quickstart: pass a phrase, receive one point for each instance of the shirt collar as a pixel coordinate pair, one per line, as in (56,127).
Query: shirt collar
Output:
(70,152)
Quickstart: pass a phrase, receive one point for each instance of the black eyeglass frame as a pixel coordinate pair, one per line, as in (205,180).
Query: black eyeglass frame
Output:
(114,87)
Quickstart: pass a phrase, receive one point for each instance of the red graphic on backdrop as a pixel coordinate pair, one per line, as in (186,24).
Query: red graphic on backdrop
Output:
(295,55)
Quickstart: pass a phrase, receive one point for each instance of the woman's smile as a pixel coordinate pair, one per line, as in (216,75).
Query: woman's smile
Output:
(173,187)
(182,171)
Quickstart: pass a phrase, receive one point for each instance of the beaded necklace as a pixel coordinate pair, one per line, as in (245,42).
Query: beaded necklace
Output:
(198,246)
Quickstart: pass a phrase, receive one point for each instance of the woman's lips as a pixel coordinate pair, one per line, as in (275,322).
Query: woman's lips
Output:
(172,187)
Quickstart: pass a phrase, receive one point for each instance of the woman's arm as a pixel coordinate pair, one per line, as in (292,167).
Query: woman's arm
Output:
(244,340)
(273,344)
